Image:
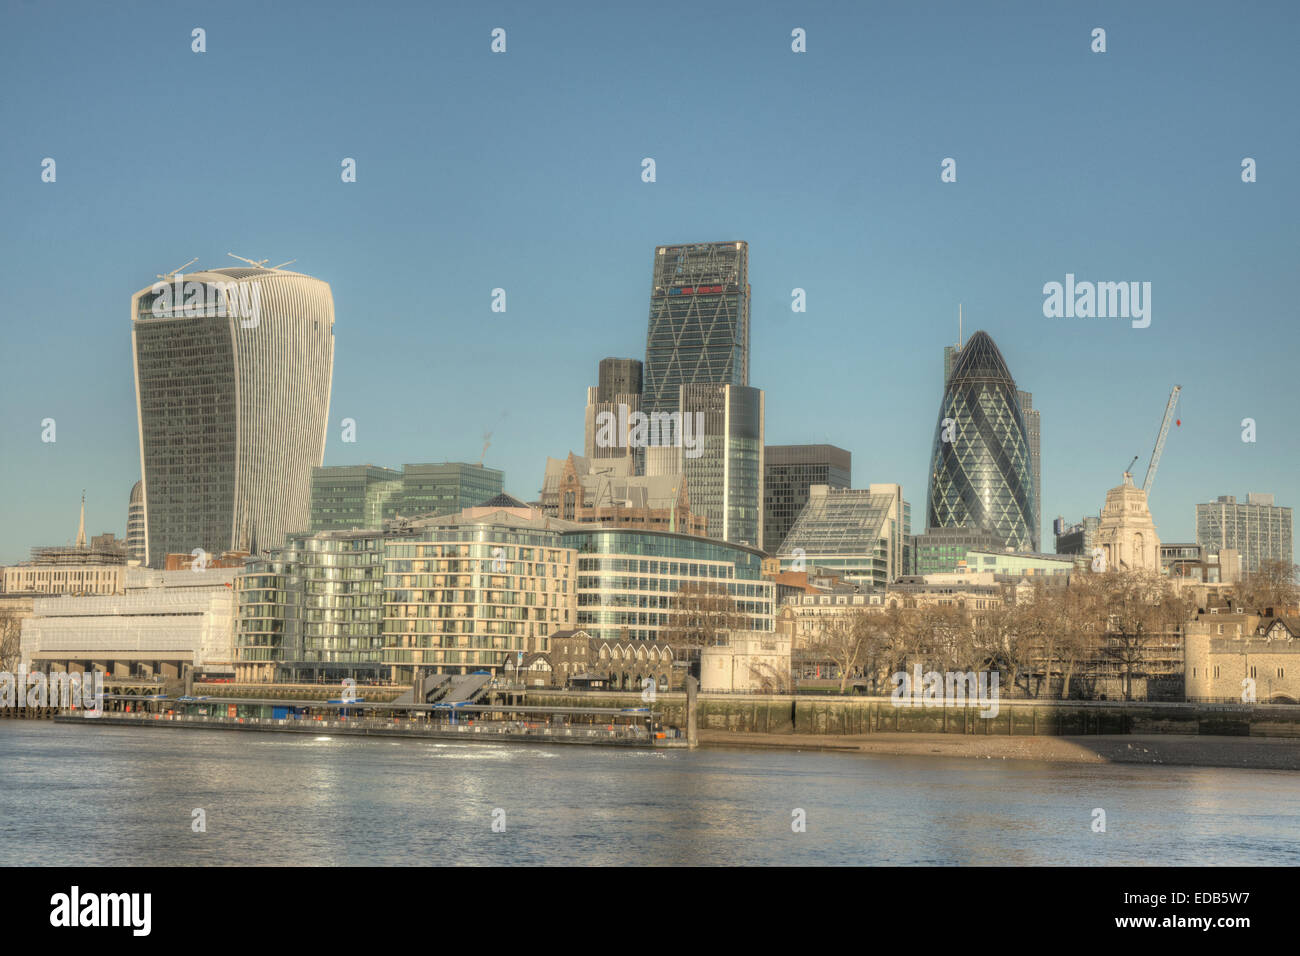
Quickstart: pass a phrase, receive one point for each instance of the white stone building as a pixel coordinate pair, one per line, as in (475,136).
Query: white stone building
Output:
(754,662)
(163,621)
(1127,533)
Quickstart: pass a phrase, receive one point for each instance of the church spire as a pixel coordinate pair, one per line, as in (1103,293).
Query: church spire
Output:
(81,526)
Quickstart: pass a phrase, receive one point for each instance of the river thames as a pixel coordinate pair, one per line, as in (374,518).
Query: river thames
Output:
(111,796)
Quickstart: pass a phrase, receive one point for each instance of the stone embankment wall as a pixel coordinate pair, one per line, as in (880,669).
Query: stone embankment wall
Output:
(761,714)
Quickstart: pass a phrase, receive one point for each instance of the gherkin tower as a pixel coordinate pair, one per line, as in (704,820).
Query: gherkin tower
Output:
(981,472)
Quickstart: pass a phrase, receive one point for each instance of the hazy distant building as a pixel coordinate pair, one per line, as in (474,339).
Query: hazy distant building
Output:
(351,496)
(346,497)
(699,321)
(96,566)
(598,491)
(232,371)
(943,550)
(135,536)
(1076,539)
(615,397)
(1034,432)
(981,470)
(1259,529)
(788,472)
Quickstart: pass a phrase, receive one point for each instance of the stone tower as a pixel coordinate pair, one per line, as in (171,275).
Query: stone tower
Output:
(1127,533)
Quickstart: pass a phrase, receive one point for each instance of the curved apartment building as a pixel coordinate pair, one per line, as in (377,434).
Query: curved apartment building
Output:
(233,370)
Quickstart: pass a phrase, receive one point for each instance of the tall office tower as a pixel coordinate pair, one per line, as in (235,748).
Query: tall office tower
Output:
(614,399)
(232,379)
(788,472)
(699,321)
(981,472)
(1034,431)
(1259,529)
(135,538)
(724,472)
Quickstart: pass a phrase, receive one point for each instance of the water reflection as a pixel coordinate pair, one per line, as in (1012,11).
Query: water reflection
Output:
(112,796)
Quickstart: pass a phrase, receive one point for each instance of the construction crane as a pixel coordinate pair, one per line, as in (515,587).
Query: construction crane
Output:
(180,268)
(1160,440)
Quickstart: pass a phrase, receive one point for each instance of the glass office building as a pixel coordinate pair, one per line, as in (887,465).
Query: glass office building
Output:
(725,481)
(364,496)
(788,472)
(857,533)
(981,468)
(352,496)
(699,321)
(627,580)
(232,374)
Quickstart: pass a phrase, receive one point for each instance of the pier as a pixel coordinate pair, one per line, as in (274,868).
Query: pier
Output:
(500,722)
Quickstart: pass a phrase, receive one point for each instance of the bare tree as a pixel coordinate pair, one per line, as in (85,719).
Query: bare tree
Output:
(1140,607)
(702,614)
(11,631)
(989,631)
(1083,621)
(1272,586)
(842,640)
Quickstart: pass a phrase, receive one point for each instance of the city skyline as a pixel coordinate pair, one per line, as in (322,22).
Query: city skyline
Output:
(855,215)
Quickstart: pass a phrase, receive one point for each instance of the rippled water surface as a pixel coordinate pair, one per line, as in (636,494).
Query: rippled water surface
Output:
(119,795)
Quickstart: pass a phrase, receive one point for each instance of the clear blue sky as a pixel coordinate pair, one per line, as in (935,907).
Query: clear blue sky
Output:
(522,171)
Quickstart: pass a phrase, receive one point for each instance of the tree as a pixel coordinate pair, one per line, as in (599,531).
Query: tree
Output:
(1139,606)
(11,630)
(1272,586)
(701,614)
(842,640)
(1083,620)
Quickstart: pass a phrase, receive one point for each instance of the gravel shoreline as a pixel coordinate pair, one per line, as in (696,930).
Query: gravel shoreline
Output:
(1253,753)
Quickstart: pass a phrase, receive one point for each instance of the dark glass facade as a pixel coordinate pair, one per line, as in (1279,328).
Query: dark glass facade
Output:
(788,472)
(981,468)
(699,321)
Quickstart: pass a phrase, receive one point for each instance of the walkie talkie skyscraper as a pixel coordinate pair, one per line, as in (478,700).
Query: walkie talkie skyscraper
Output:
(233,369)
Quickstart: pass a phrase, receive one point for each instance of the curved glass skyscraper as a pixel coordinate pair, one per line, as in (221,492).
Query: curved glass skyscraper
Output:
(981,472)
(232,379)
